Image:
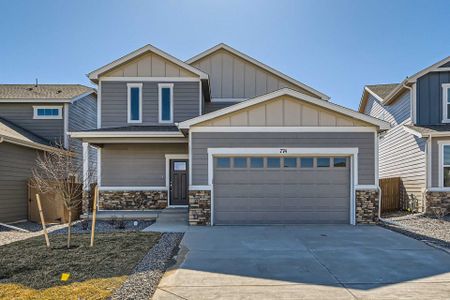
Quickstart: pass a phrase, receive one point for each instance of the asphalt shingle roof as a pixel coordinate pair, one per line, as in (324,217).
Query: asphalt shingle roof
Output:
(382,90)
(15,132)
(143,128)
(43,91)
(427,129)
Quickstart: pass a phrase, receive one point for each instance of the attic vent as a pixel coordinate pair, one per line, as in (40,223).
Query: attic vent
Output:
(30,89)
(59,91)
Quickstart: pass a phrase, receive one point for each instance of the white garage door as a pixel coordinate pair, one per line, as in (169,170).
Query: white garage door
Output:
(281,190)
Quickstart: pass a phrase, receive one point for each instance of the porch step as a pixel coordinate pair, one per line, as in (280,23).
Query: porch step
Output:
(170,220)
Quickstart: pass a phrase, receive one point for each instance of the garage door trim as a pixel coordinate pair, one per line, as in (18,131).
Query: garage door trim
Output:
(286,152)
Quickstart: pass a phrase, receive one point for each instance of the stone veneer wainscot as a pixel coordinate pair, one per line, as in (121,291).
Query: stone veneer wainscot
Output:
(367,202)
(437,199)
(132,200)
(199,207)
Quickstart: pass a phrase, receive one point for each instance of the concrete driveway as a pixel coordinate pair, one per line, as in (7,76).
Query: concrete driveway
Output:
(305,262)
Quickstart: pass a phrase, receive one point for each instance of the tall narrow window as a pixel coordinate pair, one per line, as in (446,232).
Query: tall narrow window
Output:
(445,165)
(446,102)
(165,102)
(134,103)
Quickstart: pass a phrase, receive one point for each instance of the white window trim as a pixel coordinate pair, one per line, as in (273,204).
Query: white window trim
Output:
(445,89)
(36,116)
(129,86)
(441,164)
(160,87)
(352,152)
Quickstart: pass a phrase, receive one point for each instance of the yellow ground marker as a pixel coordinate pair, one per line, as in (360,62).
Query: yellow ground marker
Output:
(65,276)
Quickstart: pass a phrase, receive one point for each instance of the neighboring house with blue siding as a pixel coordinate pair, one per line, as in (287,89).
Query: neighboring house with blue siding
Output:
(416,147)
(230,138)
(36,118)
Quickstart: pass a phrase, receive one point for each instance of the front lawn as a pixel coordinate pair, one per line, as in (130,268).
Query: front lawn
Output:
(28,270)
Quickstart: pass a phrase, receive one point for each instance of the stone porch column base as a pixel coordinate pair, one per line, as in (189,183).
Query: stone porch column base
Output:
(199,207)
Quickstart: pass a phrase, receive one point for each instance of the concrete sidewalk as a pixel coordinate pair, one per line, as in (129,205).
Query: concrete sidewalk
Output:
(306,262)
(170,220)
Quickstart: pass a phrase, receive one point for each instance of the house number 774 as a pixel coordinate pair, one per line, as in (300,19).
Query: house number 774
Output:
(283,151)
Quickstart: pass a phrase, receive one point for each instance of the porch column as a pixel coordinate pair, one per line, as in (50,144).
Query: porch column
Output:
(86,183)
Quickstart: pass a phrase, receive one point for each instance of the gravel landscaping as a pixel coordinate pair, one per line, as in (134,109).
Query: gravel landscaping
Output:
(147,274)
(30,229)
(421,227)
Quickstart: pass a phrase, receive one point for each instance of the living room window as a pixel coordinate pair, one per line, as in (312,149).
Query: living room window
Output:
(134,102)
(444,158)
(165,102)
(47,112)
(446,102)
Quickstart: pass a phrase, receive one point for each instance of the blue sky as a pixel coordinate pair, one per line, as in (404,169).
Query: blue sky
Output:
(334,46)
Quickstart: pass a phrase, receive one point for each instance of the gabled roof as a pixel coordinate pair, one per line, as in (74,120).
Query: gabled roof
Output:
(379,91)
(440,66)
(245,57)
(147,48)
(289,92)
(428,130)
(12,133)
(43,92)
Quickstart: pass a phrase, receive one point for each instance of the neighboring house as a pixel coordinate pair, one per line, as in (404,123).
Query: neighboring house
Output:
(417,147)
(35,118)
(232,139)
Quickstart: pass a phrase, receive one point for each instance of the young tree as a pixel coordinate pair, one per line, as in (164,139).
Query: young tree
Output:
(60,173)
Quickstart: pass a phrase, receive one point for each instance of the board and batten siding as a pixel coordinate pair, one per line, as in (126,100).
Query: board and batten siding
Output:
(21,114)
(429,98)
(201,141)
(16,163)
(396,113)
(402,154)
(83,116)
(186,103)
(232,77)
(136,164)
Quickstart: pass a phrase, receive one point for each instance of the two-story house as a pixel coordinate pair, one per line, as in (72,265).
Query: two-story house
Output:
(417,147)
(36,118)
(232,139)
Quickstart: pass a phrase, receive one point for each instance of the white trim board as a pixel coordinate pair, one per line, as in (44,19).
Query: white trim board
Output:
(285,92)
(132,188)
(151,79)
(352,152)
(281,129)
(126,134)
(94,75)
(445,103)
(441,145)
(259,64)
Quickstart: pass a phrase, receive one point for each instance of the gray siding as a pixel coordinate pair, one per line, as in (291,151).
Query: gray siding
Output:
(429,97)
(403,155)
(395,113)
(16,163)
(435,160)
(83,116)
(22,115)
(201,141)
(137,164)
(212,106)
(114,103)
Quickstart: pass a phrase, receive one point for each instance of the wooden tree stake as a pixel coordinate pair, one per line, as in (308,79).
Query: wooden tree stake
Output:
(94,214)
(41,214)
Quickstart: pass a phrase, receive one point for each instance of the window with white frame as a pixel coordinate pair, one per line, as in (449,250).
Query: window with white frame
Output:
(445,165)
(47,112)
(446,102)
(134,102)
(165,102)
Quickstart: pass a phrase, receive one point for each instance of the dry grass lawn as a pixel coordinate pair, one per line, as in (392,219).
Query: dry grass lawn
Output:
(28,270)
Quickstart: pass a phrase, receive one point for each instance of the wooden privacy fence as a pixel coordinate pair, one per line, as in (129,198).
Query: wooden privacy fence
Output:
(390,194)
(52,206)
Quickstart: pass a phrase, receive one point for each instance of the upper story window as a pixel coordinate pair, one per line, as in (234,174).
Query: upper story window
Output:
(446,102)
(165,102)
(47,112)
(134,102)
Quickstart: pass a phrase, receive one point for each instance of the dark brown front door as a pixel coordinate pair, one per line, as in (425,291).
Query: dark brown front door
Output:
(179,182)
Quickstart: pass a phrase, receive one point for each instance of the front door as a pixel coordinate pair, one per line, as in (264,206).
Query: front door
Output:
(179,182)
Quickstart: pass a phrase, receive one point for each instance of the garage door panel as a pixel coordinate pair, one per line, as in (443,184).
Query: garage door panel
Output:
(281,195)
